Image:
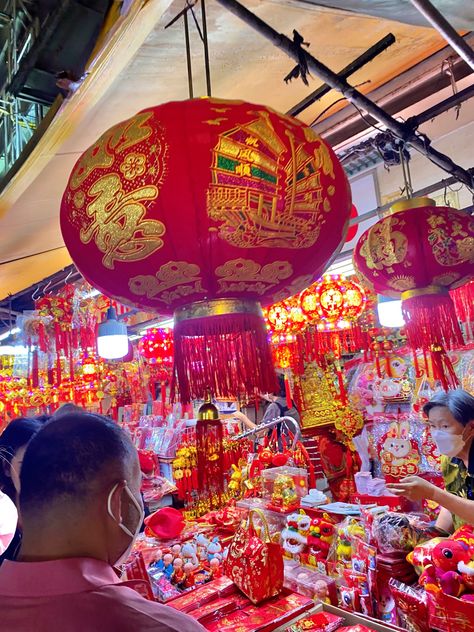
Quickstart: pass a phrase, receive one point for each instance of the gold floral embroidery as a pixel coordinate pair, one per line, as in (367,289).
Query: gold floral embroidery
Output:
(117,222)
(383,246)
(133,165)
(173,279)
(240,275)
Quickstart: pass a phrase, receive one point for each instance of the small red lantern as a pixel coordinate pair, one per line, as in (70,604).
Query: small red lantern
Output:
(206,208)
(89,369)
(157,347)
(419,253)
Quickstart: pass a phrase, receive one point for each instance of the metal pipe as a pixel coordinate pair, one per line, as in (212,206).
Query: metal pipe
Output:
(442,106)
(205,42)
(441,24)
(188,55)
(370,54)
(359,100)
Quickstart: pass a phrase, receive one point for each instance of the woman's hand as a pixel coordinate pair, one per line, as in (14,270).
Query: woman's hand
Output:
(413,488)
(240,416)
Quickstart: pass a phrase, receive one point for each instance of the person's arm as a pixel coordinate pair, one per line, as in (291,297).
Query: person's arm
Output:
(445,520)
(416,488)
(244,419)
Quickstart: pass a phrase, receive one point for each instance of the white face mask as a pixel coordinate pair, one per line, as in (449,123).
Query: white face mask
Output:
(133,535)
(447,443)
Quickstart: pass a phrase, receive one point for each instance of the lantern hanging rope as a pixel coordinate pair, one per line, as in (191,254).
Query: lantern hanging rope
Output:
(207,200)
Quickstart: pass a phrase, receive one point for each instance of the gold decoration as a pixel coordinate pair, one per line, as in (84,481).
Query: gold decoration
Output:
(114,141)
(446,279)
(133,165)
(245,275)
(254,215)
(184,277)
(320,408)
(402,282)
(217,307)
(383,246)
(117,225)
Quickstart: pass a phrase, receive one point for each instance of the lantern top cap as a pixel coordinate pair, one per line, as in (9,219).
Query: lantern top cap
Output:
(417,202)
(208,412)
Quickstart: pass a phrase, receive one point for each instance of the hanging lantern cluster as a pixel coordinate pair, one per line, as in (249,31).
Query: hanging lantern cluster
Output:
(156,347)
(331,303)
(418,253)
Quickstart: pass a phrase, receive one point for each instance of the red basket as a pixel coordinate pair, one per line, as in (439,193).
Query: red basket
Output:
(449,614)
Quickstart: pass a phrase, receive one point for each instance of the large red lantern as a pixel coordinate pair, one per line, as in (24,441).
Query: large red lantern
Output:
(419,253)
(202,201)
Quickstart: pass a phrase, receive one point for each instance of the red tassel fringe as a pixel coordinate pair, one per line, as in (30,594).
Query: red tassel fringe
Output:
(463,298)
(228,354)
(431,320)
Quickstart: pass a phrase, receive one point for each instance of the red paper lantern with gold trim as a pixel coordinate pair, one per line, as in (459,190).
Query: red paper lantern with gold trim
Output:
(198,207)
(418,253)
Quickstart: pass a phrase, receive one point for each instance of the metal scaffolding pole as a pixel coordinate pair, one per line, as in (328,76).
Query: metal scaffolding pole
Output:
(441,24)
(359,100)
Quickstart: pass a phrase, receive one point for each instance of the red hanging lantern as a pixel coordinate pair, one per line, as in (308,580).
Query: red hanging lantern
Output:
(206,208)
(90,369)
(333,300)
(157,347)
(419,253)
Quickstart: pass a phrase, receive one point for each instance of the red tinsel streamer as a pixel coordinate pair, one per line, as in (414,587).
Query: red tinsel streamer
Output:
(443,369)
(463,298)
(227,354)
(35,370)
(431,320)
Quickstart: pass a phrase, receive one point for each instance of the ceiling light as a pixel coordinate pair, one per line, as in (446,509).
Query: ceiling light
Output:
(112,339)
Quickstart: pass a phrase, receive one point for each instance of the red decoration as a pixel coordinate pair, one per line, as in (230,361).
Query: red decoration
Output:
(202,200)
(352,232)
(418,253)
(333,300)
(157,347)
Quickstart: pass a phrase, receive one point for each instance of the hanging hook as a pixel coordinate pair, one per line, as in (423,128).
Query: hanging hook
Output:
(46,286)
(35,293)
(68,275)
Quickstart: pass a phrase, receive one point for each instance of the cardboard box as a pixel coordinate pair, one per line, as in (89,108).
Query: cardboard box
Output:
(350,618)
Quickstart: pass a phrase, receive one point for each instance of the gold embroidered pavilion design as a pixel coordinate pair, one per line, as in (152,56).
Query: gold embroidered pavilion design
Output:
(266,189)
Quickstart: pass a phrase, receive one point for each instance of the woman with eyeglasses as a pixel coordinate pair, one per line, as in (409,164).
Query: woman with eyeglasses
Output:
(451,420)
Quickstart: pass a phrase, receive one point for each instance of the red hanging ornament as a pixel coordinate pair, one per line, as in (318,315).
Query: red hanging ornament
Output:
(419,253)
(207,200)
(210,455)
(157,347)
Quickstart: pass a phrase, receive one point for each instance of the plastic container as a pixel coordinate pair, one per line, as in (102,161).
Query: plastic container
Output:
(284,487)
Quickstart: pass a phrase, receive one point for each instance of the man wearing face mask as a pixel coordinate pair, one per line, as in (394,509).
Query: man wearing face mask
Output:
(451,420)
(81,510)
